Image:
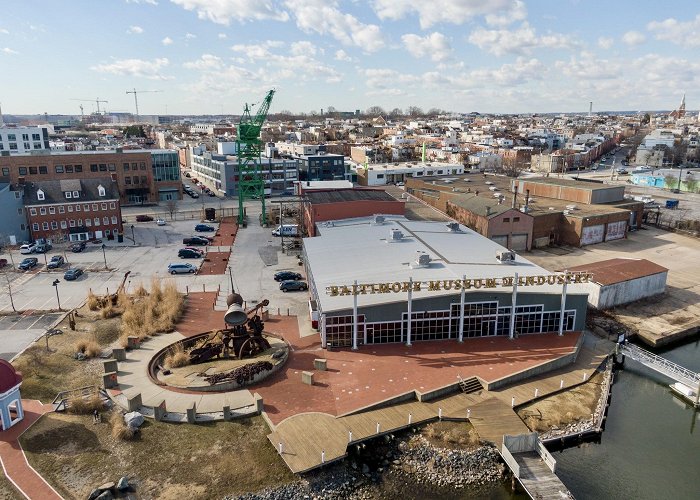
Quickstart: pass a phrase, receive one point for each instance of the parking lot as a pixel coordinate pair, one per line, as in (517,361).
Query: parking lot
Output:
(16,332)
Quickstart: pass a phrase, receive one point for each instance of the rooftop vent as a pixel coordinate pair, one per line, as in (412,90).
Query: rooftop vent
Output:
(571,207)
(378,220)
(395,235)
(492,188)
(453,227)
(488,183)
(505,257)
(421,262)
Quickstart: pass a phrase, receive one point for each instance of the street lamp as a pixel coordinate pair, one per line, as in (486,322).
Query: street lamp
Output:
(132,235)
(58,299)
(104,255)
(230,277)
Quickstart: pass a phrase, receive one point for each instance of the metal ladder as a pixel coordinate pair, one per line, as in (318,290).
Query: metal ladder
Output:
(661,365)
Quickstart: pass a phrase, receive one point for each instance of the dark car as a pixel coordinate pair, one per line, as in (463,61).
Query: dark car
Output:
(56,262)
(72,274)
(195,240)
(211,193)
(144,218)
(286,286)
(42,247)
(203,228)
(28,263)
(287,275)
(193,194)
(3,263)
(189,253)
(78,247)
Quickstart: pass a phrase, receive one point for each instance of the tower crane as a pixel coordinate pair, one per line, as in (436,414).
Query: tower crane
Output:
(136,100)
(96,101)
(249,146)
(82,114)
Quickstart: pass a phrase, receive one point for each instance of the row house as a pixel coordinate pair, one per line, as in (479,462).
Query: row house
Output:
(73,209)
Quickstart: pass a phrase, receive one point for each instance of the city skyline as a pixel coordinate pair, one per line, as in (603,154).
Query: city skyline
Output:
(211,56)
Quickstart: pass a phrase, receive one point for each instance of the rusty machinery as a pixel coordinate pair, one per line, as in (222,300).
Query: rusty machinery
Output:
(113,298)
(242,339)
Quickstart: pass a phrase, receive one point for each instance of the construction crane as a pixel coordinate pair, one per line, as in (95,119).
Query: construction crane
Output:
(96,101)
(82,114)
(136,100)
(249,146)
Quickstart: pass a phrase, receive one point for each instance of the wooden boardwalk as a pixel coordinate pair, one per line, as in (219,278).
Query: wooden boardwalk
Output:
(538,480)
(492,419)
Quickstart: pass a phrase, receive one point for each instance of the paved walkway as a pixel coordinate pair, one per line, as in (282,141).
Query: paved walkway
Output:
(13,460)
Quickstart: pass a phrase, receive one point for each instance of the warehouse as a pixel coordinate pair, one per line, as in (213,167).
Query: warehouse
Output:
(620,281)
(369,275)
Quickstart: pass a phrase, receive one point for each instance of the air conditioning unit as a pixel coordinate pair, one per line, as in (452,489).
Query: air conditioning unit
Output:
(421,262)
(505,257)
(395,235)
(571,207)
(378,220)
(453,227)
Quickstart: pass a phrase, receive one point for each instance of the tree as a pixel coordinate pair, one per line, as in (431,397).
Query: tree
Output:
(691,184)
(8,287)
(414,111)
(671,182)
(435,112)
(171,206)
(396,112)
(134,131)
(375,111)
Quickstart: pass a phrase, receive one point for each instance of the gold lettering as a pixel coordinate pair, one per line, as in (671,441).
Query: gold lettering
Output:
(506,281)
(541,280)
(467,284)
(529,280)
(363,289)
(332,290)
(551,279)
(447,284)
(433,286)
(374,288)
(416,286)
(561,279)
(569,278)
(490,283)
(396,287)
(344,290)
(457,284)
(521,281)
(384,288)
(577,278)
(478,283)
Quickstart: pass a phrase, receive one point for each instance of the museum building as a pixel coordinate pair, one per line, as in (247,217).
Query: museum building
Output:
(368,275)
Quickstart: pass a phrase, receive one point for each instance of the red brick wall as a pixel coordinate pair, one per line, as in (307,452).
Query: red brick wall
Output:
(76,216)
(314,214)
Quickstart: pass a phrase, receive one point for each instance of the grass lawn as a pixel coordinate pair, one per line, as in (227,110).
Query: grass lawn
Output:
(451,435)
(7,489)
(167,460)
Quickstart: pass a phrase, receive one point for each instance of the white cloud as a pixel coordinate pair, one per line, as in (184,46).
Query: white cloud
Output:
(605,42)
(681,33)
(207,61)
(303,48)
(587,67)
(222,36)
(3,31)
(134,30)
(190,36)
(632,38)
(436,46)
(150,2)
(135,67)
(500,12)
(167,41)
(341,55)
(258,50)
(8,50)
(224,11)
(522,40)
(325,18)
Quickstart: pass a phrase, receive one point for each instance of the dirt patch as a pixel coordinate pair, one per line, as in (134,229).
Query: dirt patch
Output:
(451,435)
(166,461)
(564,408)
(7,489)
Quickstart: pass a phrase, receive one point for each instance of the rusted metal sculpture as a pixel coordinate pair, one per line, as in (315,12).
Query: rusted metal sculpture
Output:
(242,340)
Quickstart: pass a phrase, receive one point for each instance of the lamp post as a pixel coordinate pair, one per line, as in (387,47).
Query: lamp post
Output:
(132,235)
(58,299)
(230,275)
(104,255)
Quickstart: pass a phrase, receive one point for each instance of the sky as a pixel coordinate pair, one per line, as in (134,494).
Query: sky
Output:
(213,56)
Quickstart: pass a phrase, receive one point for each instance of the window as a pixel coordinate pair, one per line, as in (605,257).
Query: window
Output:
(94,207)
(18,195)
(112,205)
(64,225)
(516,219)
(32,211)
(78,168)
(71,223)
(43,169)
(22,170)
(136,179)
(105,221)
(42,211)
(5,171)
(25,137)
(59,169)
(76,194)
(111,167)
(80,222)
(54,224)
(93,168)
(86,207)
(114,219)
(107,232)
(77,208)
(27,145)
(45,226)
(103,167)
(11,137)
(70,208)
(142,165)
(52,210)
(36,137)
(19,211)
(506,219)
(144,179)
(104,206)
(37,145)
(61,209)
(126,167)
(22,227)
(69,169)
(97,221)
(88,222)
(69,194)
(101,190)
(134,166)
(13,145)
(32,170)
(40,195)
(35,226)
(127,180)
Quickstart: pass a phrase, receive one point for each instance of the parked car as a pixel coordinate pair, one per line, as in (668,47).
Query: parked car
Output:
(28,263)
(287,275)
(286,286)
(3,263)
(181,268)
(78,247)
(195,240)
(189,253)
(27,248)
(144,218)
(211,193)
(42,248)
(56,262)
(160,222)
(621,171)
(72,274)
(203,228)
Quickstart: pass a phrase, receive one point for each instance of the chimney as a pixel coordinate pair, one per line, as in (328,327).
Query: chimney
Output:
(488,211)
(527,197)
(515,194)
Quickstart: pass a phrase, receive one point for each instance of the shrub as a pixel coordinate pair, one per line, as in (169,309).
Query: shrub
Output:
(106,332)
(141,291)
(93,301)
(176,358)
(119,428)
(89,347)
(109,311)
(82,406)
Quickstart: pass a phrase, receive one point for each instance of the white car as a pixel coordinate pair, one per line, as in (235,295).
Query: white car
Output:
(160,222)
(27,249)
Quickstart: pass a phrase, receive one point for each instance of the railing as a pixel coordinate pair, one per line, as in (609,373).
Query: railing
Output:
(510,460)
(662,365)
(63,397)
(546,456)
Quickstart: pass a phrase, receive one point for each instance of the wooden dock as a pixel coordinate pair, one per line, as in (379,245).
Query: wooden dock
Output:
(539,482)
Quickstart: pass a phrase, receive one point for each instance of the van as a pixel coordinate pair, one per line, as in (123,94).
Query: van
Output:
(181,268)
(643,169)
(286,230)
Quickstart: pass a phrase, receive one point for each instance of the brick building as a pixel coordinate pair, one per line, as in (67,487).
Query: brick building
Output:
(73,209)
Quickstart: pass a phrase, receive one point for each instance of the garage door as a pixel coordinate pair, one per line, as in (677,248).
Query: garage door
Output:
(519,242)
(501,240)
(592,234)
(616,230)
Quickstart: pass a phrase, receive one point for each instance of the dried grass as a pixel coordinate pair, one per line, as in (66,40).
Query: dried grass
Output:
(109,311)
(81,406)
(93,301)
(120,430)
(89,346)
(106,332)
(176,358)
(140,291)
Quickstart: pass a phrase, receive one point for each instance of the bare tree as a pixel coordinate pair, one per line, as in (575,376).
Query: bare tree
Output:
(396,112)
(171,206)
(414,111)
(8,286)
(375,111)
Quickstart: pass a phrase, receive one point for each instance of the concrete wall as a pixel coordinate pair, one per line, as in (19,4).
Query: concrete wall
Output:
(13,223)
(605,297)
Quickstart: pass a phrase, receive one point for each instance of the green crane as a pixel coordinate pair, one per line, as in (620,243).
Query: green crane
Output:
(251,183)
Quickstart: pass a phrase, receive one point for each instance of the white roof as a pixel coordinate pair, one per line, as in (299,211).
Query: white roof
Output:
(340,184)
(356,249)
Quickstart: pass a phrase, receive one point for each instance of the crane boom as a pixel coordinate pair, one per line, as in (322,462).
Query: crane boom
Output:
(136,100)
(96,101)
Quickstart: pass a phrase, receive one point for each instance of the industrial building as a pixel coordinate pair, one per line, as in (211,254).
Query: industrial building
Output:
(369,275)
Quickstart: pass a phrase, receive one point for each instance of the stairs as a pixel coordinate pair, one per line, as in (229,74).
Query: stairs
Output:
(470,385)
